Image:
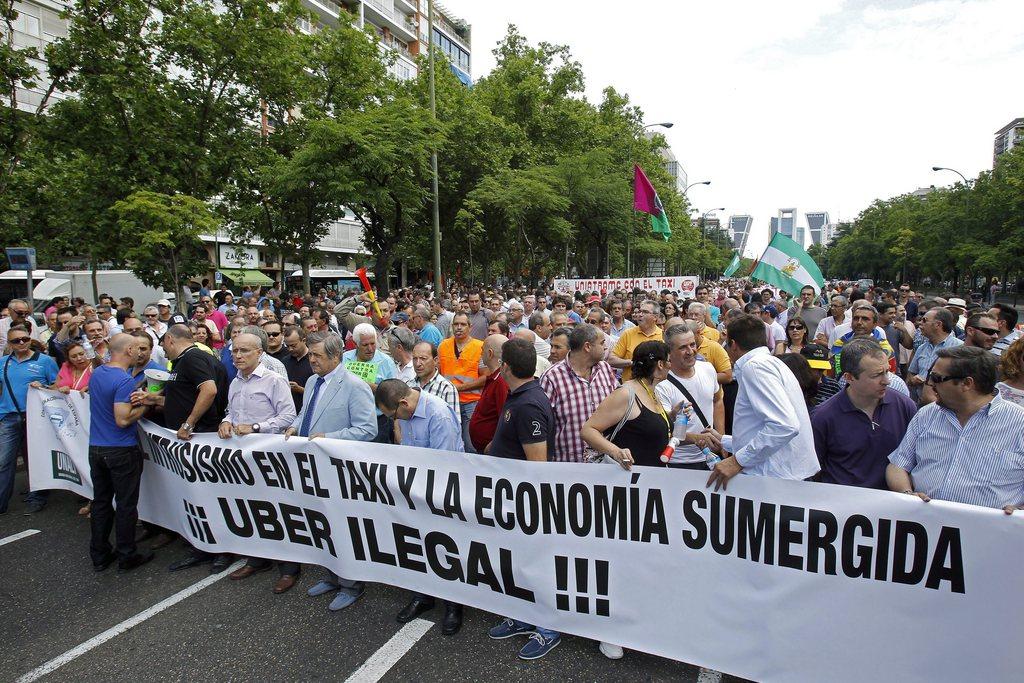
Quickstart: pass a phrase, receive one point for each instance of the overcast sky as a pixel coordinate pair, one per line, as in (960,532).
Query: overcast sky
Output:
(822,105)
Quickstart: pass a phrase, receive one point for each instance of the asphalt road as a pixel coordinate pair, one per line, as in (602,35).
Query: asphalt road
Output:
(51,602)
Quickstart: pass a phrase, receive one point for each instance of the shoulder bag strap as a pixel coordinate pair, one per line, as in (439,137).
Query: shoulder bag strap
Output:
(625,415)
(7,383)
(689,397)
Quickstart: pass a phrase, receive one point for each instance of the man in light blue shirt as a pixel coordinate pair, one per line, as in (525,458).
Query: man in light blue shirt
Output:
(771,430)
(936,330)
(425,421)
(421,325)
(356,360)
(968,446)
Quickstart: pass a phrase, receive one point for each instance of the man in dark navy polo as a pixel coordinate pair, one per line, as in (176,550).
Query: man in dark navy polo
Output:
(857,429)
(526,426)
(526,431)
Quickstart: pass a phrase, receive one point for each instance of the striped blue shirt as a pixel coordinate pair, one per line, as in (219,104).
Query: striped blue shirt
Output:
(981,463)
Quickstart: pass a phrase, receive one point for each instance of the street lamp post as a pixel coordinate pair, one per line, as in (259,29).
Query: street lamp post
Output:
(703,182)
(703,221)
(436,237)
(943,168)
(629,155)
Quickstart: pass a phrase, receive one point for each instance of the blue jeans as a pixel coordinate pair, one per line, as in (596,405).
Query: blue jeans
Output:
(12,443)
(546,632)
(467,410)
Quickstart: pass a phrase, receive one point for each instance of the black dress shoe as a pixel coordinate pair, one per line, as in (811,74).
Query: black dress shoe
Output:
(416,607)
(191,561)
(103,564)
(135,561)
(452,621)
(220,563)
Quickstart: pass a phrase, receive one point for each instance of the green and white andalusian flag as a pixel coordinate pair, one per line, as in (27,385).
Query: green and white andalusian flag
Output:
(787,266)
(733,266)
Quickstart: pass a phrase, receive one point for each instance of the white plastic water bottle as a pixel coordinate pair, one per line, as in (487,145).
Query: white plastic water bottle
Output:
(90,352)
(681,423)
(710,459)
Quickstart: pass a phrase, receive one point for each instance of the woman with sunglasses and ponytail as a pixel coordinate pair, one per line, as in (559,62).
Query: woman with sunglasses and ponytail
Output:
(18,369)
(630,425)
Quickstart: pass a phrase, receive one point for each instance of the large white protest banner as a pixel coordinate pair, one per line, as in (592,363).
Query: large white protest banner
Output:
(771,580)
(684,285)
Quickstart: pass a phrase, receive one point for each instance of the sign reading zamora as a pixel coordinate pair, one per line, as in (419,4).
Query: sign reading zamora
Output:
(771,580)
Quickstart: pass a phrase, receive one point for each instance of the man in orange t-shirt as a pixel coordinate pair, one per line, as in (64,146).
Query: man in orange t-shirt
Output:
(459,359)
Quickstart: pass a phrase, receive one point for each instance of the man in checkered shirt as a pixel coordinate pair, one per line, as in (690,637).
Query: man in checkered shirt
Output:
(576,386)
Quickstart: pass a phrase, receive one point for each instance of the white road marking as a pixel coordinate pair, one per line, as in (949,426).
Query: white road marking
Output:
(17,537)
(114,631)
(374,668)
(709,676)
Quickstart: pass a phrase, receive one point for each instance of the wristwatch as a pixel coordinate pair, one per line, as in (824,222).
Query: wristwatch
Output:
(256,427)
(186,426)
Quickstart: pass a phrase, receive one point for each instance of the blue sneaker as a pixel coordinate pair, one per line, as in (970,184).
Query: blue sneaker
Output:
(538,646)
(344,598)
(508,628)
(322,588)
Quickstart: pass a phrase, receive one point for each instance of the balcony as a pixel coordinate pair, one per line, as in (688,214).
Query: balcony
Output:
(327,10)
(381,14)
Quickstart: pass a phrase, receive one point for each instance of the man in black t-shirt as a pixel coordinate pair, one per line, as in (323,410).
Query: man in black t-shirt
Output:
(526,426)
(296,363)
(193,399)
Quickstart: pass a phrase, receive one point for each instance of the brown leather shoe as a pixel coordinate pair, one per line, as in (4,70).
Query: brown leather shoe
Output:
(246,571)
(284,584)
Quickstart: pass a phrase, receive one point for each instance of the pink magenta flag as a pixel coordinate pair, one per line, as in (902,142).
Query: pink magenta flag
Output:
(645,199)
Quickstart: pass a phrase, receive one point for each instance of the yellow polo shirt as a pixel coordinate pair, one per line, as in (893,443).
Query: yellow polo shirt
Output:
(630,339)
(715,354)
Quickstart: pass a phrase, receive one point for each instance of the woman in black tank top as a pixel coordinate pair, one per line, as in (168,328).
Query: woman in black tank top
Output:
(645,433)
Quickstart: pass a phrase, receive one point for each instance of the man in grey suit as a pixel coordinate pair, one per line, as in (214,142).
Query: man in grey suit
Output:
(335,405)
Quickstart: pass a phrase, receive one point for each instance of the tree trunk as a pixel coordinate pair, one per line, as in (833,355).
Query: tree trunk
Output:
(380,270)
(174,278)
(305,274)
(95,279)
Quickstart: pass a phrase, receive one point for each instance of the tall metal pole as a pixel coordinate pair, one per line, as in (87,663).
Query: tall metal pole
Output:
(433,154)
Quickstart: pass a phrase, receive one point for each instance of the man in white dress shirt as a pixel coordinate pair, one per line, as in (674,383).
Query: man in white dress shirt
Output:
(771,430)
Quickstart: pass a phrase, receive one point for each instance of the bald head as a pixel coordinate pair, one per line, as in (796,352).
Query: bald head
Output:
(492,351)
(527,335)
(122,347)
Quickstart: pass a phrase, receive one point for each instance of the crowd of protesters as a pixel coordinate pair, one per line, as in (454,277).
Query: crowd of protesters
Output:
(876,388)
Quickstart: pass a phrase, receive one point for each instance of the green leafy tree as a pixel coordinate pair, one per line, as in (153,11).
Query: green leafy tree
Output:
(160,236)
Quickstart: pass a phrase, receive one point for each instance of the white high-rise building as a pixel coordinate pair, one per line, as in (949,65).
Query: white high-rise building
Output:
(402,26)
(739,230)
(37,24)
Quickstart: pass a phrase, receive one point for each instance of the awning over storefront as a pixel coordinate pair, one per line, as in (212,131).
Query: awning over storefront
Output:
(246,276)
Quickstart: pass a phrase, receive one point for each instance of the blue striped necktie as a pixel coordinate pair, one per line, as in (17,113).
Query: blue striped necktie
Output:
(307,418)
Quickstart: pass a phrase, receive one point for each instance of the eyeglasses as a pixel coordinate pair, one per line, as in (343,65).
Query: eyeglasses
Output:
(935,378)
(273,334)
(796,327)
(18,340)
(20,311)
(986,330)
(150,315)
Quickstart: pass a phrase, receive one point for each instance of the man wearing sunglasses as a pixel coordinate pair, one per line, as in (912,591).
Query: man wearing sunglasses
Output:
(967,446)
(981,331)
(19,313)
(22,366)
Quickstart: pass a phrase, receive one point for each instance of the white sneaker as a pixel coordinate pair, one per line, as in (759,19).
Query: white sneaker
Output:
(611,651)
